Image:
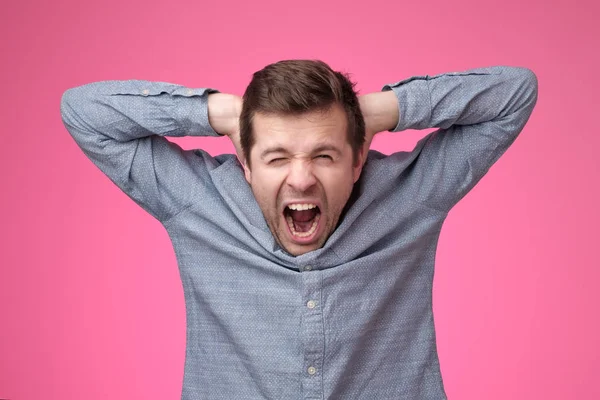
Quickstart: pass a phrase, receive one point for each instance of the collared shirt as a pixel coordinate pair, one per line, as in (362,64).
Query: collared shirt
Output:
(351,320)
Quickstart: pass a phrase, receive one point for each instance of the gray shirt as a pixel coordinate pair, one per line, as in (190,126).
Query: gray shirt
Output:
(351,320)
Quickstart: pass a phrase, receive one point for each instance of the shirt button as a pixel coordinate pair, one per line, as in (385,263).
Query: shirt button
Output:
(145,92)
(311,370)
(190,91)
(311,304)
(308,268)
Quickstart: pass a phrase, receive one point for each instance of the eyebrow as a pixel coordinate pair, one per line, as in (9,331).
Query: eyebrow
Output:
(324,147)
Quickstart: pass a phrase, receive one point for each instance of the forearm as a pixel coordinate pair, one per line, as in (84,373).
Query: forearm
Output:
(127,110)
(466,98)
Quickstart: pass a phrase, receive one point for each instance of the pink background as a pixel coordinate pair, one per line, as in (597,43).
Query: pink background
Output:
(91,305)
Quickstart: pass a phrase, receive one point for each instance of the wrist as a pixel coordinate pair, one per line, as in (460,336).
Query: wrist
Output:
(380,111)
(224,112)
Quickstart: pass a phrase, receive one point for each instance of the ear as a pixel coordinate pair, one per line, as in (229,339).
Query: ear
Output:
(360,161)
(247,172)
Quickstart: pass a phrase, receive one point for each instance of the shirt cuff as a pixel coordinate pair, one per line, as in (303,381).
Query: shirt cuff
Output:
(192,109)
(187,106)
(414,106)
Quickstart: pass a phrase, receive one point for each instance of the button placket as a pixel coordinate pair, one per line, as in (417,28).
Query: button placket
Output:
(313,334)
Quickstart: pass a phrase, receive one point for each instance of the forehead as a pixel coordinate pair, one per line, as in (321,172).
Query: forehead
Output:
(300,132)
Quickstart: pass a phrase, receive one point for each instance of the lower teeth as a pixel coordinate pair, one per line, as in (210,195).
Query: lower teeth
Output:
(312,229)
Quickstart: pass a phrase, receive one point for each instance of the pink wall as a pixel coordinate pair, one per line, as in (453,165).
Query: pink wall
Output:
(91,306)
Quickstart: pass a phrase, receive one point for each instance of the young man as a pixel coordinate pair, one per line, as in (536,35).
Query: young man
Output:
(307,260)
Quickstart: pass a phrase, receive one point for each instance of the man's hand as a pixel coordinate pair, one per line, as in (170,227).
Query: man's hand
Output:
(224,117)
(380,111)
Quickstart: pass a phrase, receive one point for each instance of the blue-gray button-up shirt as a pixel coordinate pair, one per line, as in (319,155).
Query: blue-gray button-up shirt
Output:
(351,320)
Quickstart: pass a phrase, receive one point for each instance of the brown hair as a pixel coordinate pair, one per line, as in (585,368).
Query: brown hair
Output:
(299,86)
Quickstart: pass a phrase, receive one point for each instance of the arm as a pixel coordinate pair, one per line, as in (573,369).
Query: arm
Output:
(480,113)
(121,126)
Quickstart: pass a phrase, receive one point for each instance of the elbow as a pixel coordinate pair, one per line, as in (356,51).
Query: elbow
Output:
(74,113)
(64,104)
(525,97)
(529,86)
(523,84)
(66,109)
(67,105)
(74,106)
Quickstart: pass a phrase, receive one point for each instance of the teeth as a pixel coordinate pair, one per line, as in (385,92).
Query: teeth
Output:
(300,206)
(303,234)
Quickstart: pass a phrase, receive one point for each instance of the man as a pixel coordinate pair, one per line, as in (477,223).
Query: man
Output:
(307,261)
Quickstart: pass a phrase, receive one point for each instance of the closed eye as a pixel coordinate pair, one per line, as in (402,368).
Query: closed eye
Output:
(275,160)
(325,157)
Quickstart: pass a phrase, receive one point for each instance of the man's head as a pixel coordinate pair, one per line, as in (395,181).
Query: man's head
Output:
(302,135)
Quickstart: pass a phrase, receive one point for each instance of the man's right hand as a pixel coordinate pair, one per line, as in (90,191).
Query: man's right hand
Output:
(224,117)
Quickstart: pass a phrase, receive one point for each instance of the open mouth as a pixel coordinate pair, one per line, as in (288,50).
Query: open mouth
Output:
(302,220)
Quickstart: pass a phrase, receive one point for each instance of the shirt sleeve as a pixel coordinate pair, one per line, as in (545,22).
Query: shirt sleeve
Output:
(480,113)
(121,127)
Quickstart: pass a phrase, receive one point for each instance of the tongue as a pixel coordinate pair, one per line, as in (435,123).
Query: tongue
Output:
(303,215)
(303,219)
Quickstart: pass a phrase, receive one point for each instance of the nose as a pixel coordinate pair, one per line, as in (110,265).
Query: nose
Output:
(300,176)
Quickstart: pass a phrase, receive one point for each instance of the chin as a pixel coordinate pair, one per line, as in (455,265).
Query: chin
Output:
(296,250)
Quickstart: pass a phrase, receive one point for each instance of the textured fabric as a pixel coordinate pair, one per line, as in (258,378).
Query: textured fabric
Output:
(352,320)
